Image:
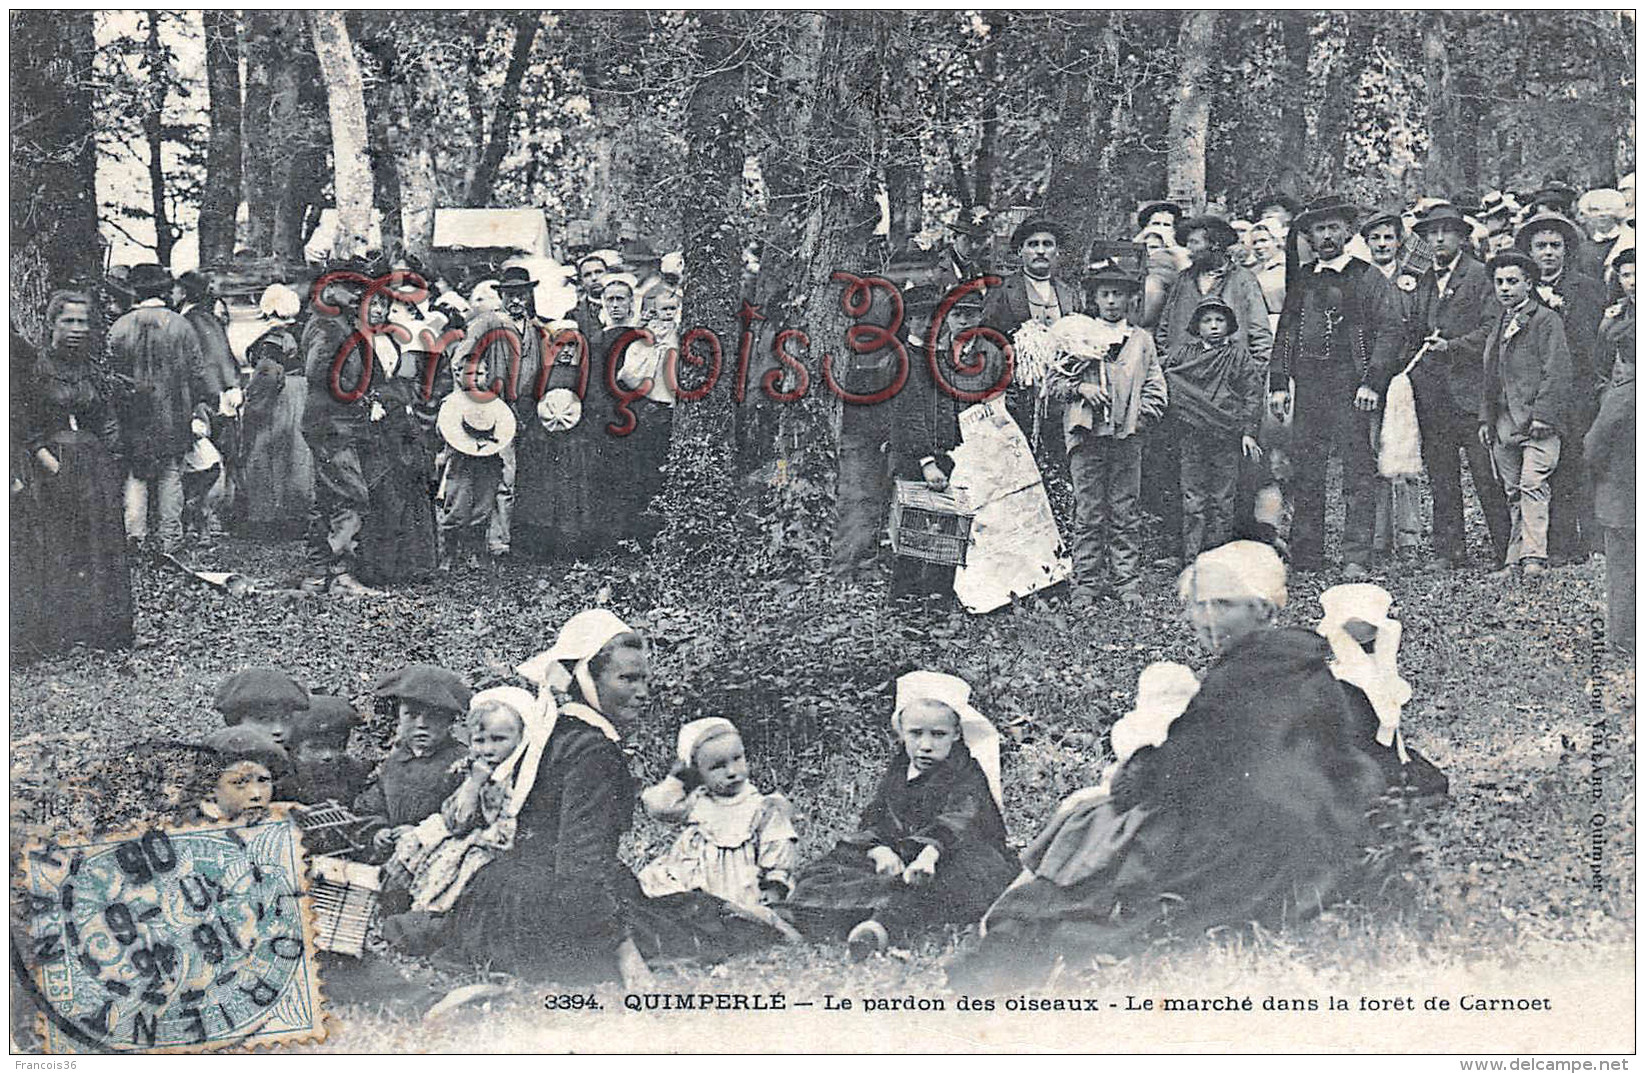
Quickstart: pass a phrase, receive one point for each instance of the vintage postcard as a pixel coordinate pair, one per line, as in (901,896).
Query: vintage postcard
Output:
(899,531)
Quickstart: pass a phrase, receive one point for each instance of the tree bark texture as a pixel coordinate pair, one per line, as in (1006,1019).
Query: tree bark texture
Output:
(1190,111)
(154,55)
(502,119)
(345,96)
(220,200)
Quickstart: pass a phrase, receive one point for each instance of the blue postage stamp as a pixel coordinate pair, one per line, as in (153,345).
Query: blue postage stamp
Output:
(170,940)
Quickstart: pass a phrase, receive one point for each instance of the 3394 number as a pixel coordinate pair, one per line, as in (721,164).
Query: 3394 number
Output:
(571,1002)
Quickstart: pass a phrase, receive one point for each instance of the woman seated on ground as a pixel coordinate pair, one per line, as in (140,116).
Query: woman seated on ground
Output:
(534,886)
(1253,808)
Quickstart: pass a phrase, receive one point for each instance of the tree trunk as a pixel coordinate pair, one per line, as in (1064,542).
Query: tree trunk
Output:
(220,201)
(350,143)
(54,240)
(1293,115)
(502,122)
(284,143)
(1441,171)
(1191,112)
(381,101)
(154,135)
(700,526)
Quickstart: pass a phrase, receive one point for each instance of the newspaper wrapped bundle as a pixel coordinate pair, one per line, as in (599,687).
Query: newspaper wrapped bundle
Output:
(1015,548)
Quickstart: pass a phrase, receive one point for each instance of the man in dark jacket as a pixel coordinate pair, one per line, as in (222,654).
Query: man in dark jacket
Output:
(1453,309)
(1553,242)
(338,418)
(1340,337)
(218,383)
(1524,412)
(160,352)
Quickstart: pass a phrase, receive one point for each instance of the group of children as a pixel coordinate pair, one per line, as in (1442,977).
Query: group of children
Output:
(1210,386)
(930,846)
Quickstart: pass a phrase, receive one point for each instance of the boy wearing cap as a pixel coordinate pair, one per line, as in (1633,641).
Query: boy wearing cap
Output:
(1452,310)
(1215,391)
(1523,413)
(322,770)
(416,776)
(1109,398)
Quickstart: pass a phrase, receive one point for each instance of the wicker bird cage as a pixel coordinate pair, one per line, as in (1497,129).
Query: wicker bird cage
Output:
(344,894)
(929,525)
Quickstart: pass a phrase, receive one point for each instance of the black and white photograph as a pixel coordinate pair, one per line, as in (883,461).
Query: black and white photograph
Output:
(911,531)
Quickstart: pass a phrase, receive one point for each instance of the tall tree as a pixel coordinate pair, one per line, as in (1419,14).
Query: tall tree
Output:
(1293,117)
(285,134)
(1190,111)
(1443,169)
(54,241)
(220,200)
(156,62)
(526,25)
(350,143)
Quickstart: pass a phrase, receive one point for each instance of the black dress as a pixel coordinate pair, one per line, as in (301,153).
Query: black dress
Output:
(1253,810)
(558,904)
(561,492)
(949,807)
(70,580)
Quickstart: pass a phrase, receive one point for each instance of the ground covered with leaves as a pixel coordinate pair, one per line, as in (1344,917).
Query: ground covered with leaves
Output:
(1507,700)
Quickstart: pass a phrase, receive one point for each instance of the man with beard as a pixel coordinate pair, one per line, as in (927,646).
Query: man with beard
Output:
(503,353)
(1452,310)
(1554,243)
(1209,274)
(1340,338)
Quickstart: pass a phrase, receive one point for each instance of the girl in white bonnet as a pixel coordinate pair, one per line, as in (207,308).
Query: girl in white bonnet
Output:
(738,842)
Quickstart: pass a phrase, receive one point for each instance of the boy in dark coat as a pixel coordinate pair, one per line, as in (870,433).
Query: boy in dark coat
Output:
(1524,410)
(322,769)
(417,775)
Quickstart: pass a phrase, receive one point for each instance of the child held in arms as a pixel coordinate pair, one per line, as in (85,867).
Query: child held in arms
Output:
(1216,392)
(930,848)
(1110,376)
(738,842)
(416,776)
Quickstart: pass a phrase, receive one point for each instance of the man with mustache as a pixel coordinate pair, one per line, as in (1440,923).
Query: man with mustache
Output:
(1339,341)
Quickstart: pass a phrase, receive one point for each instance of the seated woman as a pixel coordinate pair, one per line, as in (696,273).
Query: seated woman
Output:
(552,901)
(930,848)
(1253,809)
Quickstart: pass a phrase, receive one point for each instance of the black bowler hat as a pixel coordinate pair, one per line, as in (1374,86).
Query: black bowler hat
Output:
(1284,201)
(1033,226)
(1442,215)
(515,277)
(1152,207)
(149,279)
(1325,207)
(1222,232)
(1547,220)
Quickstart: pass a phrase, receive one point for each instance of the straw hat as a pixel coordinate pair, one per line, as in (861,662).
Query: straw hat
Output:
(475,428)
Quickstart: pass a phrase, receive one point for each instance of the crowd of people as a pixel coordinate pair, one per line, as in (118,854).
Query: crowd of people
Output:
(495,818)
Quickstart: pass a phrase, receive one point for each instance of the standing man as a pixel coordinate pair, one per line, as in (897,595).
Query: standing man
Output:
(1553,242)
(218,383)
(1210,274)
(339,424)
(1399,512)
(1340,338)
(591,270)
(1034,293)
(160,352)
(1452,311)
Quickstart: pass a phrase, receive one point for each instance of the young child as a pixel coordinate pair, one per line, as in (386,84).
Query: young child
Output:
(1216,392)
(1163,691)
(262,697)
(435,859)
(322,770)
(416,776)
(250,762)
(203,486)
(1111,395)
(1523,412)
(738,843)
(931,845)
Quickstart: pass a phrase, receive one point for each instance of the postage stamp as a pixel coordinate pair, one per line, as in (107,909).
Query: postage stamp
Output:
(170,940)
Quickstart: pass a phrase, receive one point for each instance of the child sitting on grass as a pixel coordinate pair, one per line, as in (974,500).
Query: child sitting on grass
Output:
(322,770)
(416,776)
(931,845)
(250,762)
(738,842)
(262,697)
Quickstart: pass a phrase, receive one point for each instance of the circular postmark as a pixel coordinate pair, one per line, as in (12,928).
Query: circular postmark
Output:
(169,939)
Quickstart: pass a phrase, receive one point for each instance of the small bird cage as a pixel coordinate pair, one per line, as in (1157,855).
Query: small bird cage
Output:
(344,894)
(930,525)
